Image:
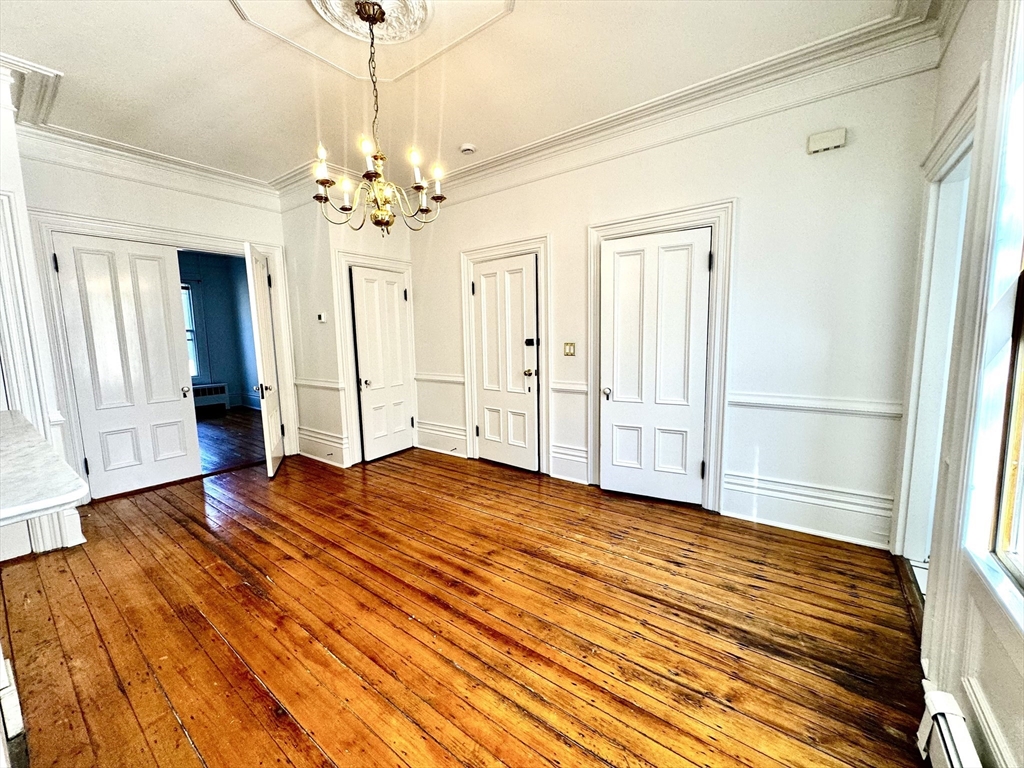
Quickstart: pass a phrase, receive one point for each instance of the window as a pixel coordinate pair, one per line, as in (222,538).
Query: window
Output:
(996,523)
(190,330)
(1009,534)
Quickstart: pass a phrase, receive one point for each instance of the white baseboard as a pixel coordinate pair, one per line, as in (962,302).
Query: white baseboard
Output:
(569,463)
(817,517)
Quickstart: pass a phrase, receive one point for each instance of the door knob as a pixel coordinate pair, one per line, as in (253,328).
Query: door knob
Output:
(255,387)
(528,372)
(366,382)
(268,388)
(185,391)
(607,392)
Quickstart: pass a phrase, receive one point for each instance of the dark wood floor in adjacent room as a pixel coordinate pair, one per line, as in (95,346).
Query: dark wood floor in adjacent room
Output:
(425,610)
(229,439)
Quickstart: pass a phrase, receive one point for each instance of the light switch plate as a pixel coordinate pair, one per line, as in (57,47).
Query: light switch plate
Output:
(569,349)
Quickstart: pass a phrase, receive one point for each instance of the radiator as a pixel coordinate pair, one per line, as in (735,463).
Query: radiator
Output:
(211,394)
(943,737)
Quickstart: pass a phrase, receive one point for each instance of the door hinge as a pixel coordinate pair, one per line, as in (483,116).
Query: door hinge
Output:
(86,462)
(405,293)
(711,260)
(282,430)
(56,265)
(478,431)
(270,283)
(412,421)
(472,287)
(703,468)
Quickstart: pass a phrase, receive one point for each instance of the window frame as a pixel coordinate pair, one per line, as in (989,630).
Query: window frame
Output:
(191,334)
(1011,474)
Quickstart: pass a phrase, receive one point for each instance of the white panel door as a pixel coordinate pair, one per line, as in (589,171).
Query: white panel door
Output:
(506,351)
(654,340)
(126,333)
(383,359)
(257,269)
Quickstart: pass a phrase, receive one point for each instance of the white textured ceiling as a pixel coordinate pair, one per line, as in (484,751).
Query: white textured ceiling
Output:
(193,80)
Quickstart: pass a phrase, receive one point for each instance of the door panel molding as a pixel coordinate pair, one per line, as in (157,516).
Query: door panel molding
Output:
(541,246)
(720,216)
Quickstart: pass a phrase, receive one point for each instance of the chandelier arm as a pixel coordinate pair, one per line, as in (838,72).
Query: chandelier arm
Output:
(407,219)
(408,210)
(361,222)
(437,212)
(323,211)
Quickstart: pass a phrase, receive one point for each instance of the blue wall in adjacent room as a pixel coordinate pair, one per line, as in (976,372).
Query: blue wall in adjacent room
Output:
(220,296)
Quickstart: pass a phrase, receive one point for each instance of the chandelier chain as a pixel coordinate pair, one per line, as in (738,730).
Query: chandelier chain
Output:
(373,79)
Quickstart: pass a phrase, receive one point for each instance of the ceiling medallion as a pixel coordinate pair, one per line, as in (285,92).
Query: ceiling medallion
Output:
(406,18)
(375,195)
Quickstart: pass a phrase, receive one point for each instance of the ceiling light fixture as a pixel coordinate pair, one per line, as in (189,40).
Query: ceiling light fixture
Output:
(376,195)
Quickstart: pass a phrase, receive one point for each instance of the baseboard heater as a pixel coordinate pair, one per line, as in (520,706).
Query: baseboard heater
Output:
(211,394)
(943,738)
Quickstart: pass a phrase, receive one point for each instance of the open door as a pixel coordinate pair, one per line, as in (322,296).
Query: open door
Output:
(121,302)
(257,267)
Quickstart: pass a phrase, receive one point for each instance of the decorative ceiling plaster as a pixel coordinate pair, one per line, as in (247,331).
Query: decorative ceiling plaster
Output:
(416,31)
(404,19)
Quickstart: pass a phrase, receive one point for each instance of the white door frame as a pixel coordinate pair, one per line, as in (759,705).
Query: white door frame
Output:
(352,451)
(720,217)
(542,247)
(949,148)
(45,223)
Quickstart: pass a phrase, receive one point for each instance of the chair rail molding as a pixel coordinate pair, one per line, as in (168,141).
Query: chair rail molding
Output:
(720,216)
(441,378)
(570,387)
(841,406)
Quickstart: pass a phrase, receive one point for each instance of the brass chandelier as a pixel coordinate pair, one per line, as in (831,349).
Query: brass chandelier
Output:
(375,195)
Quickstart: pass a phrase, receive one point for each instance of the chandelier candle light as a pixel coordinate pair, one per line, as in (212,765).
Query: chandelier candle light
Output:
(375,194)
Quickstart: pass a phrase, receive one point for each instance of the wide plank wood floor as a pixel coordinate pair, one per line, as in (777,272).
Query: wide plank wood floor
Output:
(425,610)
(229,439)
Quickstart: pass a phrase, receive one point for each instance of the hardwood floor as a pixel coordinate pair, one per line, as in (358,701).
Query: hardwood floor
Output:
(229,439)
(425,610)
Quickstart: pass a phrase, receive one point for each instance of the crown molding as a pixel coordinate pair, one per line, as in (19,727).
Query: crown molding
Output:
(71,149)
(865,42)
(950,13)
(908,26)
(35,89)
(954,134)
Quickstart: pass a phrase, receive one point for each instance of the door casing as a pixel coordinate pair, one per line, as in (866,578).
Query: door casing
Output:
(45,224)
(352,448)
(720,216)
(541,246)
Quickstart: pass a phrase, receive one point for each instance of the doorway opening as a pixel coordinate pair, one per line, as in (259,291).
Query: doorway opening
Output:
(222,360)
(940,272)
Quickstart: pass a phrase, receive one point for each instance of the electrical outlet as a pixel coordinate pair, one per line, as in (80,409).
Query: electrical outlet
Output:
(569,349)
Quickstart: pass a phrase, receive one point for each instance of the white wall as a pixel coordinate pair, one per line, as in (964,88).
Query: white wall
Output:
(823,267)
